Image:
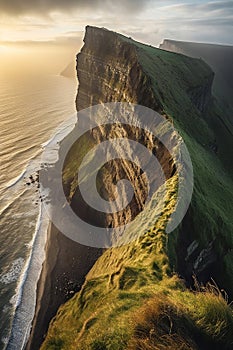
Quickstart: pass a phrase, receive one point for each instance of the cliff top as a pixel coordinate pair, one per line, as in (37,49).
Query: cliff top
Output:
(132,297)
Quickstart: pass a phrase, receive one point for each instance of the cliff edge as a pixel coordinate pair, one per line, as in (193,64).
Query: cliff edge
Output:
(219,58)
(137,296)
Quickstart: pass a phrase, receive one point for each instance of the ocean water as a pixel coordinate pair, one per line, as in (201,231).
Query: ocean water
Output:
(33,110)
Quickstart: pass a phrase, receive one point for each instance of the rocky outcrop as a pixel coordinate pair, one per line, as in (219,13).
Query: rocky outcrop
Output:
(113,68)
(69,71)
(199,95)
(171,45)
(109,71)
(218,57)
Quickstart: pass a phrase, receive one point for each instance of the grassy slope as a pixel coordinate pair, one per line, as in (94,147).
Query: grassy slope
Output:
(109,311)
(219,58)
(212,200)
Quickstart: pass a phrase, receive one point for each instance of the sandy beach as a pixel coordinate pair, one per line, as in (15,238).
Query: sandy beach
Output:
(63,273)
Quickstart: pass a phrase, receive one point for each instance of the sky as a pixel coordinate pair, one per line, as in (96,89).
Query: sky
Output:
(58,25)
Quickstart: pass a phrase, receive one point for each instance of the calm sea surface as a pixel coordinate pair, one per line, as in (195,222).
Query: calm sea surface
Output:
(32,111)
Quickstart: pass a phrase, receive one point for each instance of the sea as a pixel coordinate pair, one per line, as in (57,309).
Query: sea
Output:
(35,112)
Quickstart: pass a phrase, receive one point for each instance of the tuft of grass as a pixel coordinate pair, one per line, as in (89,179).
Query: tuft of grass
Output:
(159,315)
(204,321)
(55,343)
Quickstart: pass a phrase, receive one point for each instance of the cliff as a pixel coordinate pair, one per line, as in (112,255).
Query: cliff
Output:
(69,71)
(219,58)
(133,297)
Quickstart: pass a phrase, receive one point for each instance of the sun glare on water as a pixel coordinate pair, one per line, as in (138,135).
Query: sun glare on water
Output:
(3,49)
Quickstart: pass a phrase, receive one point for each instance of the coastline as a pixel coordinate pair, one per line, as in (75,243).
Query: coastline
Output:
(63,273)
(20,198)
(40,292)
(25,296)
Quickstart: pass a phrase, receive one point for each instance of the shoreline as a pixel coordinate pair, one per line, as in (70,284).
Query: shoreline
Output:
(63,274)
(47,267)
(22,295)
(25,297)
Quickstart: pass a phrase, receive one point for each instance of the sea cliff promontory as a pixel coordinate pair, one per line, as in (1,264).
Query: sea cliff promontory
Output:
(161,290)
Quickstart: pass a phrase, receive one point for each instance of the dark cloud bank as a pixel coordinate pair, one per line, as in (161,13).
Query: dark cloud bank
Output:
(19,7)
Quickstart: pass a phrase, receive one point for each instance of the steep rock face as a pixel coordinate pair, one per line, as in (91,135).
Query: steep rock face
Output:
(219,58)
(171,45)
(111,68)
(109,71)
(200,95)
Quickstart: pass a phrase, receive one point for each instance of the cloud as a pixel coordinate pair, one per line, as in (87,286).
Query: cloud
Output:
(205,21)
(200,8)
(218,5)
(149,21)
(44,7)
(70,39)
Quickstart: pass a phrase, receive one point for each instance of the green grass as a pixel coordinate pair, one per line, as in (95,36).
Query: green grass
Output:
(132,299)
(183,320)
(172,75)
(121,319)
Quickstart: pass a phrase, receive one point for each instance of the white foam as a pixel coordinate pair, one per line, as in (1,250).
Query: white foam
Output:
(25,297)
(24,300)
(9,203)
(62,130)
(13,273)
(52,145)
(16,187)
(17,179)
